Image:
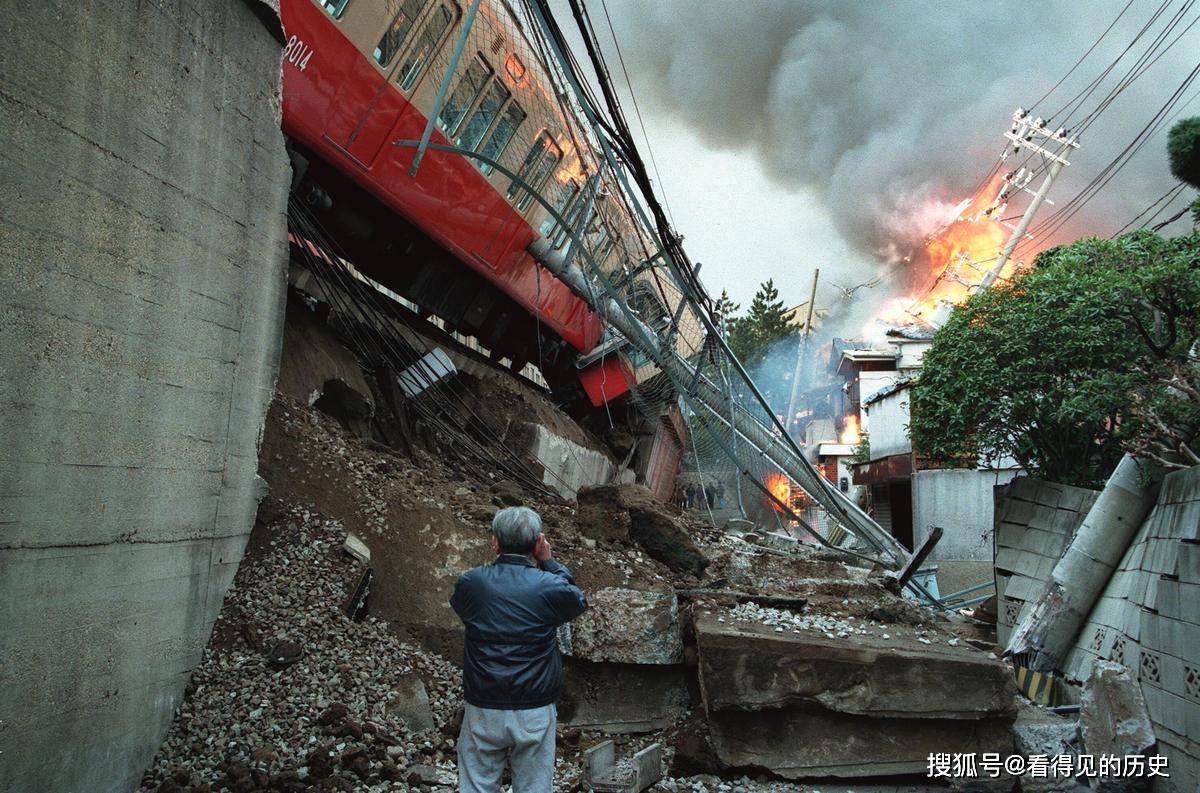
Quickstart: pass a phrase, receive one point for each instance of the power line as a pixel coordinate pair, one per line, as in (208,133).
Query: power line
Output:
(1082,57)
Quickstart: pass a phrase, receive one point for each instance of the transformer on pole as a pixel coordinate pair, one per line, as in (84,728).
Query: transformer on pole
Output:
(1052,147)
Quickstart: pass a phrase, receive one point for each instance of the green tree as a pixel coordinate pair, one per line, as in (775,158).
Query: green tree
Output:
(1183,150)
(726,308)
(1066,366)
(765,323)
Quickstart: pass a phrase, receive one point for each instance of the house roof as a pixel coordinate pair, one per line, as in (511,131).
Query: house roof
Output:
(834,449)
(852,358)
(886,391)
(913,332)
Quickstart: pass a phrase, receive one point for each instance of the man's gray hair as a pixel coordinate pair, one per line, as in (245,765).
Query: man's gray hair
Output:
(516,529)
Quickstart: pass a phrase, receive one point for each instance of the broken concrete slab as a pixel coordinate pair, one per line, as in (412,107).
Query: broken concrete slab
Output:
(566,465)
(622,698)
(1113,720)
(357,548)
(756,667)
(628,626)
(409,702)
(804,741)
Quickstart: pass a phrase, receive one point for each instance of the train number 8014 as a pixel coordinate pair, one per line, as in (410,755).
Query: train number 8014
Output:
(297,53)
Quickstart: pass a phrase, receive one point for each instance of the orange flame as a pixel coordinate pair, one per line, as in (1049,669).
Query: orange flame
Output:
(780,488)
(954,259)
(851,433)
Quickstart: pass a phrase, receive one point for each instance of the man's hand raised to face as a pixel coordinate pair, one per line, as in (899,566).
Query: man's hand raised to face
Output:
(541,551)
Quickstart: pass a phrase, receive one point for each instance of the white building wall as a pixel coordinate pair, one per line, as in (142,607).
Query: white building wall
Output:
(911,353)
(887,423)
(871,383)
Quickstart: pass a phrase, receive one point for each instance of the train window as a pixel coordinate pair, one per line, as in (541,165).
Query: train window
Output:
(335,7)
(427,41)
(489,107)
(538,165)
(566,196)
(464,95)
(503,133)
(397,32)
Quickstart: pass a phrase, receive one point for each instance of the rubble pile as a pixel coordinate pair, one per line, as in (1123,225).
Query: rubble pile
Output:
(293,695)
(744,661)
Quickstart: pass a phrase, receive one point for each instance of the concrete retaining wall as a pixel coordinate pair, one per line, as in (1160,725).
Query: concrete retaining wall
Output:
(960,501)
(141,299)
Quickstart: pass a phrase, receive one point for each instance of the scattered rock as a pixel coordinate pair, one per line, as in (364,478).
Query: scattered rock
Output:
(1113,720)
(332,714)
(409,704)
(284,654)
(508,493)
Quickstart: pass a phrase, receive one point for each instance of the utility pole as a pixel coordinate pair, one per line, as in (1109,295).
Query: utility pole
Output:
(1038,138)
(801,355)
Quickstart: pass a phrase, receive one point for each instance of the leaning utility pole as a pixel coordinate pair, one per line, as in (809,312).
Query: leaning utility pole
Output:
(1035,136)
(801,355)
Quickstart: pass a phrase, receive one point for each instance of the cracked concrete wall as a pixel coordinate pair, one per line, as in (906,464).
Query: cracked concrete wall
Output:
(141,303)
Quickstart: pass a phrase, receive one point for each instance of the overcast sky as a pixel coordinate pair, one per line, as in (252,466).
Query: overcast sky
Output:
(792,135)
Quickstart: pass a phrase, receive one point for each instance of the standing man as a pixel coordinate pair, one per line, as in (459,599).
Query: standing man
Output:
(512,671)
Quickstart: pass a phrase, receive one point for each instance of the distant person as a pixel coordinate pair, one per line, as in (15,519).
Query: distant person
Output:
(710,495)
(512,670)
(689,495)
(721,496)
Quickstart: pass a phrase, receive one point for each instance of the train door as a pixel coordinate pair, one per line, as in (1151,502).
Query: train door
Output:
(368,102)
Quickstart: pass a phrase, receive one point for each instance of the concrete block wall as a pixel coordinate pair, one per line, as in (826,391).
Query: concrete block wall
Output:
(141,301)
(1035,522)
(1148,619)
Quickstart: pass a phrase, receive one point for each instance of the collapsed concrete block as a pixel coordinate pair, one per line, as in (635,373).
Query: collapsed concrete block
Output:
(628,626)
(624,513)
(803,741)
(1038,731)
(1113,720)
(357,548)
(409,702)
(753,667)
(805,705)
(566,465)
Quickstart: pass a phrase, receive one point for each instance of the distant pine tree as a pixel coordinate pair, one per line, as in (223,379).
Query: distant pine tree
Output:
(765,323)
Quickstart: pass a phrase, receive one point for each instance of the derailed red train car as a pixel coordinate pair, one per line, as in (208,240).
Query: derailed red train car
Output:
(360,75)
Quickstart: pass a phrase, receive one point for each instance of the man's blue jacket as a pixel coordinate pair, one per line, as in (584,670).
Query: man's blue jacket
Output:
(512,609)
